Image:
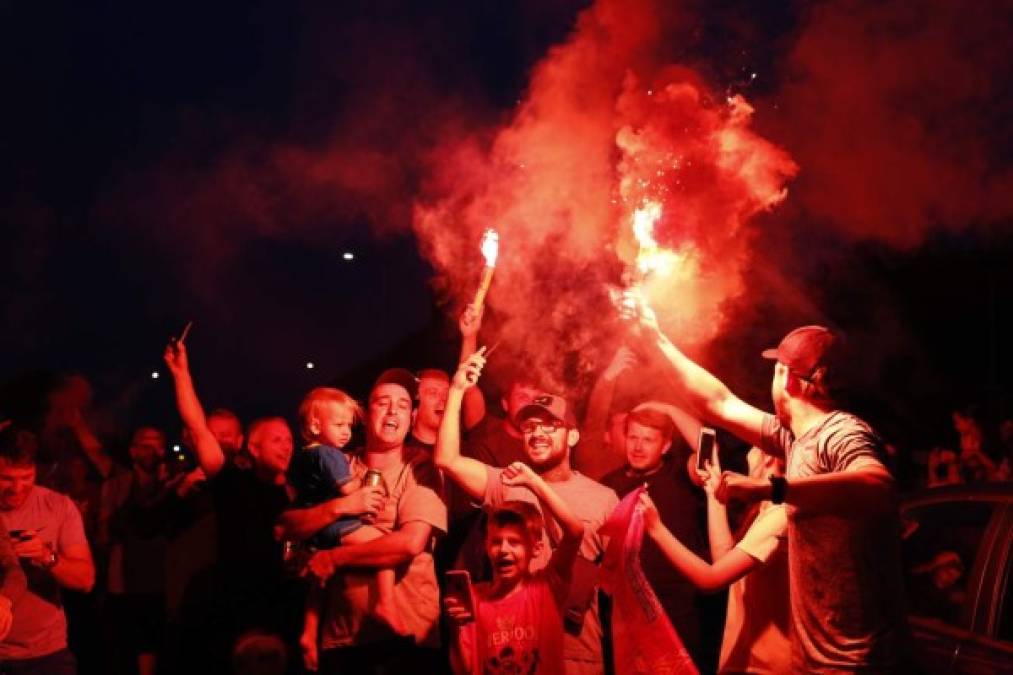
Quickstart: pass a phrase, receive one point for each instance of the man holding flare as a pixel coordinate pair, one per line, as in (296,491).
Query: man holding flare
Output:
(843,533)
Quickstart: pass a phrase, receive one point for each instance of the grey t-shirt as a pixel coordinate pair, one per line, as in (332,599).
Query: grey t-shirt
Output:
(40,626)
(846,583)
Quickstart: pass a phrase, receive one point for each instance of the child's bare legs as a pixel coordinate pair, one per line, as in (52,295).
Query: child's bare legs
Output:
(383,605)
(311,627)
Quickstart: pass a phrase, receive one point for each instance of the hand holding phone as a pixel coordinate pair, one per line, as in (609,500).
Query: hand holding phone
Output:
(458,599)
(705,448)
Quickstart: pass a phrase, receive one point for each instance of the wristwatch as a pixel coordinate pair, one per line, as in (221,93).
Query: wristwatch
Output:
(778,486)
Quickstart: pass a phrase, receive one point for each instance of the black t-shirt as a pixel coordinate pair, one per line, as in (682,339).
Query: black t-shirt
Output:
(489,442)
(247,508)
(416,445)
(683,510)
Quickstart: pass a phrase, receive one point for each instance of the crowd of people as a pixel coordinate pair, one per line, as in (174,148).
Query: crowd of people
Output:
(452,539)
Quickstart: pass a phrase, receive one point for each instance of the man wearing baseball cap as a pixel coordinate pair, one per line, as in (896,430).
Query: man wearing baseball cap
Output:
(843,525)
(550,432)
(413,514)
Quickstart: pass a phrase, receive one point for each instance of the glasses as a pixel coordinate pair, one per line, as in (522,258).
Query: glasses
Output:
(531,426)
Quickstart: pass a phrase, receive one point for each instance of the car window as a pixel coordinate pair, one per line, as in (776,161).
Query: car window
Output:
(940,544)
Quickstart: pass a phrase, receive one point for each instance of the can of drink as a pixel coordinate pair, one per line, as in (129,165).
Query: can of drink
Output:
(372,478)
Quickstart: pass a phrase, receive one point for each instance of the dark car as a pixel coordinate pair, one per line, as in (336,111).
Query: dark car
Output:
(958,564)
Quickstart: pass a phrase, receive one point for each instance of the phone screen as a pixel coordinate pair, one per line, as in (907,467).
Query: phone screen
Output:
(705,450)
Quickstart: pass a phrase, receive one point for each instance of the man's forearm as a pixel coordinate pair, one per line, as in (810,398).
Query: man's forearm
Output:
(389,550)
(208,450)
(472,408)
(468,473)
(190,409)
(93,449)
(719,534)
(558,509)
(301,524)
(865,490)
(77,575)
(702,391)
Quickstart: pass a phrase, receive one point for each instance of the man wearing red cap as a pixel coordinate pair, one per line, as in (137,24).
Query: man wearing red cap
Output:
(843,534)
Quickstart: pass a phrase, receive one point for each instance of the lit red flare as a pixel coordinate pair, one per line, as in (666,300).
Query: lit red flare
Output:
(490,251)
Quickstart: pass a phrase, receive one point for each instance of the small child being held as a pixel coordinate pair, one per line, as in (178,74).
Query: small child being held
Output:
(518,618)
(320,472)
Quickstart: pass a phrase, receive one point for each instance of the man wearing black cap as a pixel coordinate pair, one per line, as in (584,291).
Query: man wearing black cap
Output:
(550,433)
(413,514)
(844,543)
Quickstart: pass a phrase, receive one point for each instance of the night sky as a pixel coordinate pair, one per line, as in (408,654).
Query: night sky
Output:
(129,129)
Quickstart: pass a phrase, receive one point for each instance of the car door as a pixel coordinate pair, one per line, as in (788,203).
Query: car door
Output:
(988,648)
(946,549)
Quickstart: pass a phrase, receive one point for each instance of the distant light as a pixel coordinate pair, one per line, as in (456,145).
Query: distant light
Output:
(175,448)
(310,365)
(155,375)
(348,255)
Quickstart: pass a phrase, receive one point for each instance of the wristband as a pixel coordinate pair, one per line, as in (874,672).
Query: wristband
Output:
(778,486)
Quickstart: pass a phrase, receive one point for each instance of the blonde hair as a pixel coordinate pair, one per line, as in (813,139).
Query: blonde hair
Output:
(310,407)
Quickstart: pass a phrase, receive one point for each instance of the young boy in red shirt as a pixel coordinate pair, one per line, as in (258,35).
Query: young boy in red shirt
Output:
(518,620)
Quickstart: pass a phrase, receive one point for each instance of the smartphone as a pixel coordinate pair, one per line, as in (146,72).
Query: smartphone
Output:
(705,447)
(459,587)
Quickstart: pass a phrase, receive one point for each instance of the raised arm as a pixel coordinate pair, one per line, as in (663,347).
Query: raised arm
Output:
(705,576)
(474,401)
(708,397)
(553,505)
(592,458)
(467,472)
(719,534)
(91,445)
(209,452)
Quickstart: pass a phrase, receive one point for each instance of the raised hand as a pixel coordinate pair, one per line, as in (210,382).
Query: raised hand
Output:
(175,358)
(711,476)
(469,371)
(646,506)
(471,320)
(623,360)
(519,474)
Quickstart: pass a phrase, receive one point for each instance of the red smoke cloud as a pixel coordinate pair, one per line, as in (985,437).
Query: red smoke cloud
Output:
(892,109)
(606,127)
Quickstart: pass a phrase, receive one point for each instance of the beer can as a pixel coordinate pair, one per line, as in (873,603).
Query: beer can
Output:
(372,478)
